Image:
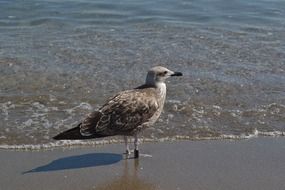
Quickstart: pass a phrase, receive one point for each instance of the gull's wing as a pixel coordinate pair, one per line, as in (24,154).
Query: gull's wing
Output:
(122,114)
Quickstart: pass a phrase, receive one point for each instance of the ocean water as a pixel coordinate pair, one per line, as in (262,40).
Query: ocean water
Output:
(59,60)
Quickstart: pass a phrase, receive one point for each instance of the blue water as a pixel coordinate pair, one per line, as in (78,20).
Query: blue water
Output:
(123,13)
(60,60)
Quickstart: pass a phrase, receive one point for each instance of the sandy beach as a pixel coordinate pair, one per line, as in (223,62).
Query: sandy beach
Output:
(256,163)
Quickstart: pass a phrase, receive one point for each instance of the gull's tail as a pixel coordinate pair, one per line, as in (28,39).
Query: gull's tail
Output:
(74,134)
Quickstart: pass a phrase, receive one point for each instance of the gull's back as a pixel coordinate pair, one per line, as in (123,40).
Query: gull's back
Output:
(124,114)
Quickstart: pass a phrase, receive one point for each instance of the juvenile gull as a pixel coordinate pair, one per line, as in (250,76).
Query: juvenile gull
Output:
(126,113)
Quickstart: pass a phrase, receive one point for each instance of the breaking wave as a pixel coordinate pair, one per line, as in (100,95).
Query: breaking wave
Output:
(76,143)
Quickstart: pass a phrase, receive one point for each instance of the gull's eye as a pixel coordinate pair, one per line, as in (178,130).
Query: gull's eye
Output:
(162,74)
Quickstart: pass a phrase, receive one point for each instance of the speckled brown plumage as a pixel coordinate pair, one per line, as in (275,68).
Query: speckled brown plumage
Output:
(124,114)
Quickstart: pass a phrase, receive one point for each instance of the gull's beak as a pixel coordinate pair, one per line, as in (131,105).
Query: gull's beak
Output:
(176,74)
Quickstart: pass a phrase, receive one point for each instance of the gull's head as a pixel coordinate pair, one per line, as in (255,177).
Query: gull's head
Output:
(159,74)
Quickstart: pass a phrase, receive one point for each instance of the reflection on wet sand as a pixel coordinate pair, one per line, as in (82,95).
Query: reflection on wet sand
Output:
(129,180)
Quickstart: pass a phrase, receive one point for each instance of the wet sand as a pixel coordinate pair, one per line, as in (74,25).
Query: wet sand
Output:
(257,163)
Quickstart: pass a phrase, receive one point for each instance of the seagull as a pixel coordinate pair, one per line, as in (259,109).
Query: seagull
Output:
(126,113)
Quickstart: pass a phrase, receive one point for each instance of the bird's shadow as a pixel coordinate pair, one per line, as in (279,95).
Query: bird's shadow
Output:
(78,161)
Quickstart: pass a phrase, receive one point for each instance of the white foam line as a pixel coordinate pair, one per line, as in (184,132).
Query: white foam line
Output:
(70,143)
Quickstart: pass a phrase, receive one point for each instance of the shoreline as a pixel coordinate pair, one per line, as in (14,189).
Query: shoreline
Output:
(108,141)
(256,163)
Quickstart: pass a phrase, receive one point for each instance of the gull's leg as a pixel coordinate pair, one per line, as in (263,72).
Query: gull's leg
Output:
(136,143)
(127,145)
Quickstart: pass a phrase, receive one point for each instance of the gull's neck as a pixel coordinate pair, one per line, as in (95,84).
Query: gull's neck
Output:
(161,86)
(161,90)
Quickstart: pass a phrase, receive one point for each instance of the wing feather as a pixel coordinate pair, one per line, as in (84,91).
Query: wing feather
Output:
(122,114)
(88,125)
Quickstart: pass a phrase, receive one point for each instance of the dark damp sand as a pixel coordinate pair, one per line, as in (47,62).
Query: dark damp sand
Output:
(253,164)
